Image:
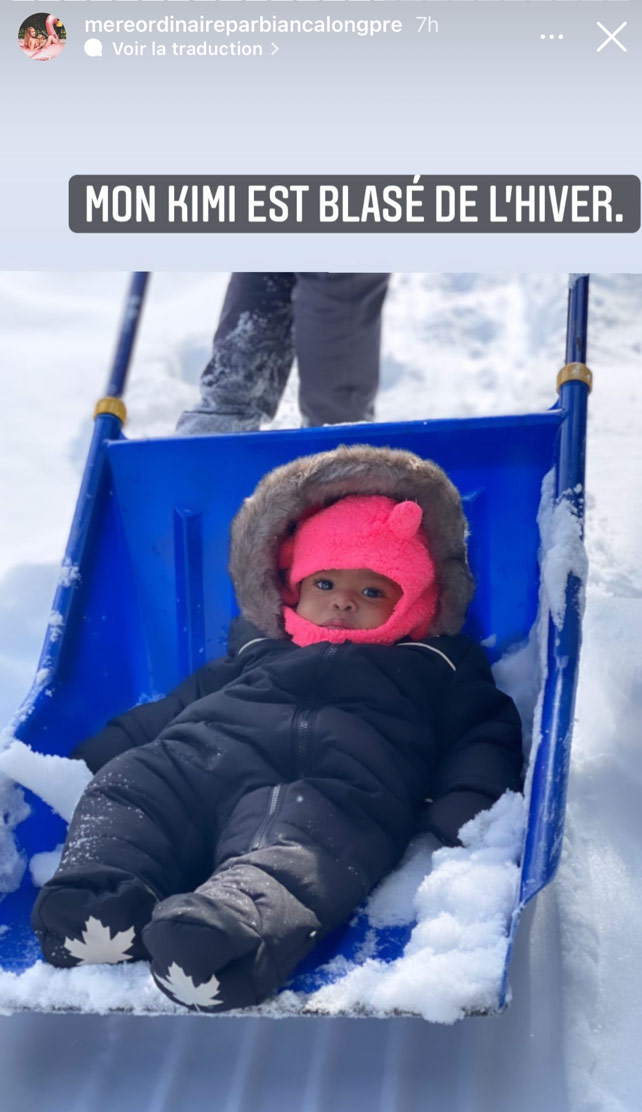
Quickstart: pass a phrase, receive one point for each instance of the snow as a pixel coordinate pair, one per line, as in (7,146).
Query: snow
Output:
(563,552)
(13,811)
(42,866)
(462,899)
(58,780)
(89,988)
(453,345)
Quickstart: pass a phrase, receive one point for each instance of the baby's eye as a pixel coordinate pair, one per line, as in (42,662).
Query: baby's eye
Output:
(324,584)
(372,592)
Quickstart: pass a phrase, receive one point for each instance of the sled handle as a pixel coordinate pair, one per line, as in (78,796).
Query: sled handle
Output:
(574,387)
(109,417)
(543,842)
(577,319)
(112,402)
(544,835)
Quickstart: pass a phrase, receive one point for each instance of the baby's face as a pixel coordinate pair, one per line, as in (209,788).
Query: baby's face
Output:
(348,598)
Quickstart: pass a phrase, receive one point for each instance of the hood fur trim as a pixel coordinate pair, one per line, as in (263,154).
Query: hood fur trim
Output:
(309,483)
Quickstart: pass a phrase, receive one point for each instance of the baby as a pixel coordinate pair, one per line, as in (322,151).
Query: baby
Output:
(233,823)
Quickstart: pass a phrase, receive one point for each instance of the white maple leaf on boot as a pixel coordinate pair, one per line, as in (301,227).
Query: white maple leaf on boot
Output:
(97,947)
(181,986)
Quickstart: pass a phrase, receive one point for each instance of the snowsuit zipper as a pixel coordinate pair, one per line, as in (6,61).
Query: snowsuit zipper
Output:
(328,657)
(301,724)
(303,718)
(259,839)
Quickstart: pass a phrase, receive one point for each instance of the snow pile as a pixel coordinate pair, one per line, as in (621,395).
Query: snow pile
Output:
(599,886)
(13,811)
(42,866)
(563,550)
(59,781)
(91,988)
(519,672)
(454,960)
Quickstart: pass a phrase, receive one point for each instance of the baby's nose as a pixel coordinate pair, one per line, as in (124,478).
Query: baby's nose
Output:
(343,600)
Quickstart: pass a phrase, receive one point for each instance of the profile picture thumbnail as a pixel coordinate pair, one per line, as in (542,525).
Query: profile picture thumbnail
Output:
(41,37)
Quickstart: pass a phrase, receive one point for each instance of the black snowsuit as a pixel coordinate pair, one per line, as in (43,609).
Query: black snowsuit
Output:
(296,777)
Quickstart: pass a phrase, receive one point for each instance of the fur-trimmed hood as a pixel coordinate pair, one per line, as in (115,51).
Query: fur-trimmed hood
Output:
(313,482)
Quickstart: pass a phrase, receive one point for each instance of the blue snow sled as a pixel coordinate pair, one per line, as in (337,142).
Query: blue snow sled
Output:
(144,596)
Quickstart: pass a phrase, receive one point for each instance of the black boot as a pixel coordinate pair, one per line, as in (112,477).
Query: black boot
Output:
(92,919)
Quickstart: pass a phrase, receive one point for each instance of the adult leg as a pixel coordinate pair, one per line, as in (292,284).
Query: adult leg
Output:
(337,329)
(143,829)
(252,356)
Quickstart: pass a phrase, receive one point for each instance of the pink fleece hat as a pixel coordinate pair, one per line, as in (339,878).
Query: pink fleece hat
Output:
(364,531)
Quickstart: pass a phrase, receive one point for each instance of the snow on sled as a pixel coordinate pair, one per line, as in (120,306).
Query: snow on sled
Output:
(144,599)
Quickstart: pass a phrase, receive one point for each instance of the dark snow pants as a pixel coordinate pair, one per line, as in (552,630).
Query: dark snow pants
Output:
(331,322)
(151,869)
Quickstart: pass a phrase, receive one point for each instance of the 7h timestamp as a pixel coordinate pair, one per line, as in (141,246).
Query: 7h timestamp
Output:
(427,24)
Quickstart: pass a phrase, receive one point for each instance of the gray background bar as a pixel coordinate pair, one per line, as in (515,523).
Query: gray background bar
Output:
(355,203)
